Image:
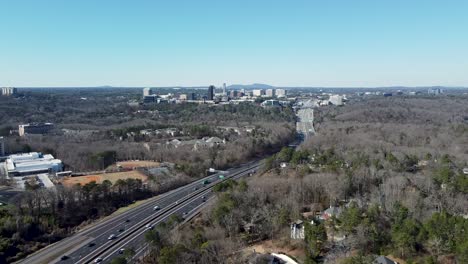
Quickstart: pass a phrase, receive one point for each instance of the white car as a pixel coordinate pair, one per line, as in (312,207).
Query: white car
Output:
(112,236)
(98,260)
(155,208)
(149,226)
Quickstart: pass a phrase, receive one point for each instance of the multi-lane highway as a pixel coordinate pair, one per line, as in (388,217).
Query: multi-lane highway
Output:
(129,228)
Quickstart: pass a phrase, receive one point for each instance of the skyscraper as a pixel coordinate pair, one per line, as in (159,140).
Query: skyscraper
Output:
(224,89)
(211,90)
(147,91)
(9,91)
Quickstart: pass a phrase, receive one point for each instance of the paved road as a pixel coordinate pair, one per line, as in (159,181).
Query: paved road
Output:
(130,226)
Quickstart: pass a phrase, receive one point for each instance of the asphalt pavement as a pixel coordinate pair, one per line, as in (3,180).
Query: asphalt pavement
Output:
(129,227)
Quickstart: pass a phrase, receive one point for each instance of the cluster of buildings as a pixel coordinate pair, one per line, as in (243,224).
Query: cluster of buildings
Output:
(8,91)
(196,144)
(172,132)
(435,91)
(213,95)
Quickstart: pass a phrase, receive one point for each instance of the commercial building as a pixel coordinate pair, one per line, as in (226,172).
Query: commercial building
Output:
(258,92)
(183,97)
(147,91)
(336,99)
(2,147)
(270,92)
(7,91)
(224,89)
(32,164)
(271,103)
(233,94)
(434,91)
(34,128)
(281,93)
(211,90)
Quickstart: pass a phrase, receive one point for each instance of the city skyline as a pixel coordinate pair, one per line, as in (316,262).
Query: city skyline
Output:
(293,44)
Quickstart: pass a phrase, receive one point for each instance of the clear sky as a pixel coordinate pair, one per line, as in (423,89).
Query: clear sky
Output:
(197,42)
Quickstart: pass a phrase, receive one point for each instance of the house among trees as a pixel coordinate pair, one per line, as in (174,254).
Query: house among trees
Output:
(297,229)
(383,260)
(331,212)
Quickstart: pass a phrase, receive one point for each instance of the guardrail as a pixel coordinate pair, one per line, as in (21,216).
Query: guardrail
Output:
(163,212)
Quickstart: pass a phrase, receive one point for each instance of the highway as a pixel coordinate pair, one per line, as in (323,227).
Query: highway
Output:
(129,227)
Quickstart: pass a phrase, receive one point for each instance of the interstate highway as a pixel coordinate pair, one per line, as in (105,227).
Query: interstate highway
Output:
(132,222)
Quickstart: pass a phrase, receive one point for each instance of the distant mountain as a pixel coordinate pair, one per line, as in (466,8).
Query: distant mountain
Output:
(250,86)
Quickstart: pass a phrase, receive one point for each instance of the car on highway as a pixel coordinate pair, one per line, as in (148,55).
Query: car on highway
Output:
(156,208)
(112,236)
(195,188)
(98,260)
(127,220)
(92,244)
(149,226)
(205,182)
(121,230)
(64,257)
(121,251)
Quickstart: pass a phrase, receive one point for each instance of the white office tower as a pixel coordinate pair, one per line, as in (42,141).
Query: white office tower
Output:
(258,92)
(147,91)
(270,93)
(281,93)
(7,91)
(224,89)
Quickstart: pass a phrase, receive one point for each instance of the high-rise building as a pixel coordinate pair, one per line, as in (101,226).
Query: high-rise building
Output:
(281,93)
(7,91)
(233,94)
(2,147)
(192,96)
(434,91)
(147,91)
(211,90)
(224,89)
(270,92)
(258,92)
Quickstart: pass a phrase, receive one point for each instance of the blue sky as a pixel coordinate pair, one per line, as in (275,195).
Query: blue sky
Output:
(358,43)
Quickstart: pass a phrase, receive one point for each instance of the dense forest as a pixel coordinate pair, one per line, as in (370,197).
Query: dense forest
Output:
(393,168)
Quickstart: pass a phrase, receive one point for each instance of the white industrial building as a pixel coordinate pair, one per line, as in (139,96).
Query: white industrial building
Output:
(32,164)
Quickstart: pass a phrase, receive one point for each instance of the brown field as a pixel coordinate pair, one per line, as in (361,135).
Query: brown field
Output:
(140,163)
(98,178)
